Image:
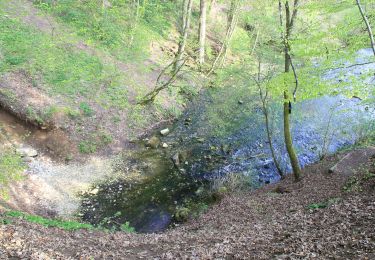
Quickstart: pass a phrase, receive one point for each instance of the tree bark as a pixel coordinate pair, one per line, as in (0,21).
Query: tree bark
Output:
(232,22)
(186,14)
(289,24)
(288,140)
(369,30)
(202,30)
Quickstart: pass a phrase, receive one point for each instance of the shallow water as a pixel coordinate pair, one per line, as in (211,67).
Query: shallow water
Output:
(320,126)
(146,188)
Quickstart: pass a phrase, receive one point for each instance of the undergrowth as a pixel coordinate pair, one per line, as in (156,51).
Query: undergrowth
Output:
(63,224)
(11,168)
(59,223)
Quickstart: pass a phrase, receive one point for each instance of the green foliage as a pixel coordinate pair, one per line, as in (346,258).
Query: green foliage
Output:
(182,214)
(63,224)
(33,115)
(324,204)
(87,147)
(106,138)
(11,168)
(94,141)
(72,113)
(123,28)
(4,221)
(86,109)
(64,69)
(353,184)
(127,228)
(368,175)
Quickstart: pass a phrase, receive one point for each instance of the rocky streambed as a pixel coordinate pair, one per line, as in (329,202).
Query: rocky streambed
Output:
(172,174)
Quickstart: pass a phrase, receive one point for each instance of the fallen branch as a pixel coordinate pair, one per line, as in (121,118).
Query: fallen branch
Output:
(351,66)
(150,97)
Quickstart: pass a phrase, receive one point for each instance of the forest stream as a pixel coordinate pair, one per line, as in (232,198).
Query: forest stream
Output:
(147,187)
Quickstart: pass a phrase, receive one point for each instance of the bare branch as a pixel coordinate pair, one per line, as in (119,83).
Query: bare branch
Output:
(369,30)
(295,77)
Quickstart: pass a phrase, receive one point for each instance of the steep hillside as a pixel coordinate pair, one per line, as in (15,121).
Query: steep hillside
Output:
(59,71)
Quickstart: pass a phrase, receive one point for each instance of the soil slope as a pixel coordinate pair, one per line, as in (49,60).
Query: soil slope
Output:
(326,215)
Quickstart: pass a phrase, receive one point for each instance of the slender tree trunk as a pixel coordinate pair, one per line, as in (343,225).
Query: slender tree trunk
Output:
(232,22)
(263,97)
(369,30)
(270,142)
(136,21)
(289,24)
(187,6)
(288,139)
(202,30)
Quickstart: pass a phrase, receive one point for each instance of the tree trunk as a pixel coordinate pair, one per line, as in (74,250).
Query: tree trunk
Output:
(263,98)
(288,140)
(202,30)
(269,135)
(289,24)
(232,22)
(136,21)
(369,30)
(187,6)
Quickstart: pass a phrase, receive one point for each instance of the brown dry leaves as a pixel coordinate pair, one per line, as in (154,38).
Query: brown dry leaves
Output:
(258,225)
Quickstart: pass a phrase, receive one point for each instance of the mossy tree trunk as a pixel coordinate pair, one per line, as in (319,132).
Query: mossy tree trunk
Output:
(289,24)
(288,140)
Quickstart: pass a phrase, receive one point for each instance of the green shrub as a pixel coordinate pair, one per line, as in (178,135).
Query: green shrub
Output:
(127,228)
(86,109)
(11,168)
(324,204)
(87,147)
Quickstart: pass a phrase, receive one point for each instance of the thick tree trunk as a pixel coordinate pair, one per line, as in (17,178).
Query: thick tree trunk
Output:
(202,30)
(288,140)
(369,30)
(187,6)
(286,61)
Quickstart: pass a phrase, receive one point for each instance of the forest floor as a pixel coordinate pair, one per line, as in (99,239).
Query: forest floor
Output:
(326,215)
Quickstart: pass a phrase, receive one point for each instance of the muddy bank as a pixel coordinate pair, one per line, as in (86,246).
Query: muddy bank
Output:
(52,143)
(20,97)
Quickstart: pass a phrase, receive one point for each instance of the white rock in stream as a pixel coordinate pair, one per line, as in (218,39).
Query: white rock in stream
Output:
(27,151)
(165,145)
(165,131)
(94,191)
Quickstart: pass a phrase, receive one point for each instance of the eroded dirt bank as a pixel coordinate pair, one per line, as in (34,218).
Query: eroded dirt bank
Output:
(326,215)
(50,184)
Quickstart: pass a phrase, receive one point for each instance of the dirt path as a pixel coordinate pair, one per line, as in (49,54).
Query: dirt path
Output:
(314,218)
